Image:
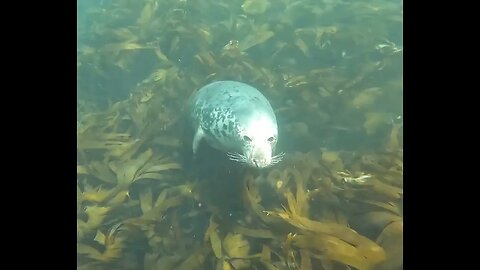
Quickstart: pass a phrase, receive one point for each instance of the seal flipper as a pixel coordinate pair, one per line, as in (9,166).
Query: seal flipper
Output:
(197,138)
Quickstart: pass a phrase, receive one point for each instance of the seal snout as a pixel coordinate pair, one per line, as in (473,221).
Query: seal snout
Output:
(261,158)
(261,163)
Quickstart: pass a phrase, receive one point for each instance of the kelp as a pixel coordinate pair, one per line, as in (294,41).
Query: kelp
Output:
(255,7)
(332,71)
(327,247)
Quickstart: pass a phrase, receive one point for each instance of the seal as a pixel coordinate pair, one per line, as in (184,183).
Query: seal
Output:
(235,118)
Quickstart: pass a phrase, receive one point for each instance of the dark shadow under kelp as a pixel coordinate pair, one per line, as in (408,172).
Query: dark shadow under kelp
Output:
(333,72)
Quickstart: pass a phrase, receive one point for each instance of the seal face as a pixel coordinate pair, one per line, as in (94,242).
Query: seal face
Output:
(235,118)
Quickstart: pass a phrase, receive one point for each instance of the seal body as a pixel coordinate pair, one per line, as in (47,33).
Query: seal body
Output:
(237,119)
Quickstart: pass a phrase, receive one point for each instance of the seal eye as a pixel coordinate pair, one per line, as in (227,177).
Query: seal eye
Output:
(271,139)
(246,138)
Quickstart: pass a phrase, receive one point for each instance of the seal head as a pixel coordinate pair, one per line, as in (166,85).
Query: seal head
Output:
(235,118)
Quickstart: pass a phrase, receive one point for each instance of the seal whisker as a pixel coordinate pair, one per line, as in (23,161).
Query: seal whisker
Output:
(277,158)
(237,157)
(233,155)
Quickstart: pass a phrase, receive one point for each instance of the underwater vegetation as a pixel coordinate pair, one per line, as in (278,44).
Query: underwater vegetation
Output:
(332,70)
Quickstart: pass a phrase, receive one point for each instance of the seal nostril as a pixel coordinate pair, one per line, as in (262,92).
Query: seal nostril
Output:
(256,162)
